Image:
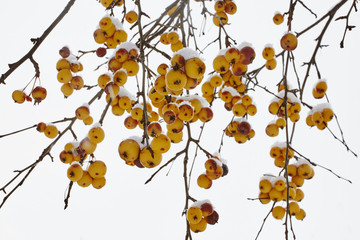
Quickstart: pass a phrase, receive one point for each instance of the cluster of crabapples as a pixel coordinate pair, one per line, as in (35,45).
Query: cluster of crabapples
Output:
(38,94)
(200,214)
(94,174)
(110,31)
(240,129)
(230,65)
(75,153)
(134,153)
(268,54)
(50,130)
(319,116)
(281,108)
(278,153)
(66,67)
(173,39)
(215,167)
(276,189)
(222,9)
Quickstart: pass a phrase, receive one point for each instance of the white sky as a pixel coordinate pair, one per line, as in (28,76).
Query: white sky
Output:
(126,208)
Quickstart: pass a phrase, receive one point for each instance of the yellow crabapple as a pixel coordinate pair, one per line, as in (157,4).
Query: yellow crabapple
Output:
(129,150)
(199,227)
(204,181)
(97,169)
(131,17)
(75,172)
(51,131)
(278,18)
(194,215)
(98,183)
(85,180)
(278,212)
(148,159)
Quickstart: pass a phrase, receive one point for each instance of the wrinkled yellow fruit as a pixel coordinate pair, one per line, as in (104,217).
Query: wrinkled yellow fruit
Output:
(51,131)
(129,150)
(278,212)
(85,180)
(75,172)
(194,215)
(149,161)
(97,169)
